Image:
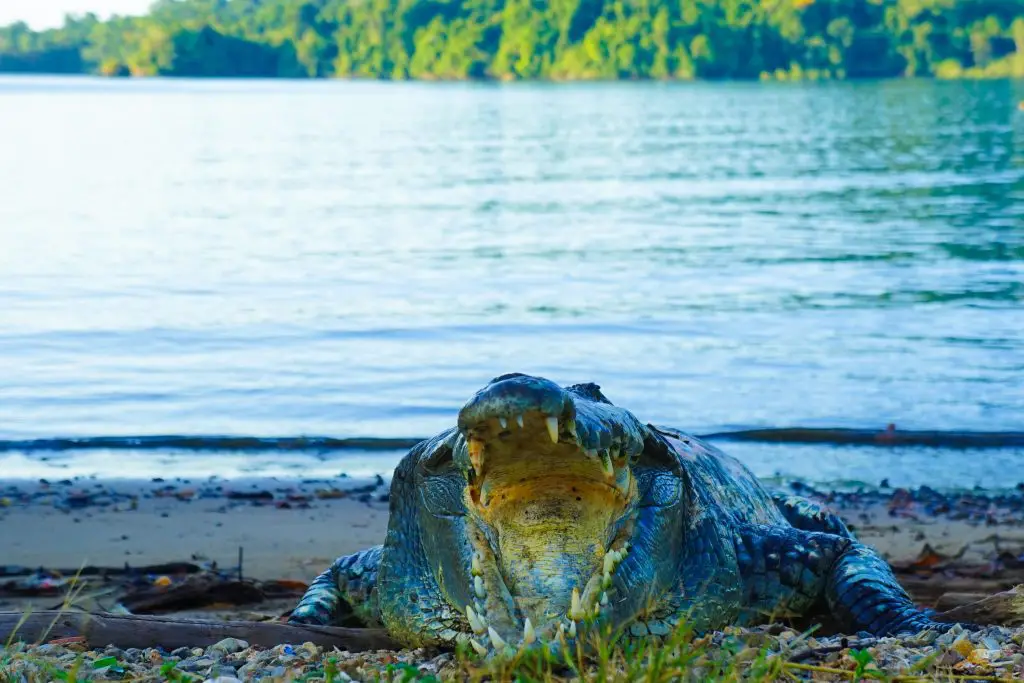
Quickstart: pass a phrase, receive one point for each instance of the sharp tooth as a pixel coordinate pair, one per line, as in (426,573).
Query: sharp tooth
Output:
(609,562)
(483,496)
(552,423)
(478,587)
(503,421)
(604,598)
(606,580)
(519,420)
(561,630)
(576,610)
(480,649)
(477,568)
(606,463)
(476,453)
(572,630)
(625,546)
(496,640)
(528,633)
(476,622)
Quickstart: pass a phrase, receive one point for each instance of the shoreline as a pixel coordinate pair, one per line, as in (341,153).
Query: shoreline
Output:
(292,529)
(969,543)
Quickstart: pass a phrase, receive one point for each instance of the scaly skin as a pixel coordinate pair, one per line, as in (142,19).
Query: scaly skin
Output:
(549,511)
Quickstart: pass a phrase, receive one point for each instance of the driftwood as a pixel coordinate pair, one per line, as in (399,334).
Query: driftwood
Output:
(1003,609)
(930,591)
(124,631)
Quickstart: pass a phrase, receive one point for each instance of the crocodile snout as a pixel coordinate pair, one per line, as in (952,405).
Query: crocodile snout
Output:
(509,399)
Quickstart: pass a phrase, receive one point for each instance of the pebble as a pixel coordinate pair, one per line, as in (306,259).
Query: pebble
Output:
(996,652)
(229,646)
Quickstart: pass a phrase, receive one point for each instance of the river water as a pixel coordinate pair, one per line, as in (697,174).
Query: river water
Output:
(356,259)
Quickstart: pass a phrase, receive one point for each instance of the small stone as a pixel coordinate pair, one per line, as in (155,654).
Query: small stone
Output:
(963,645)
(181,652)
(223,672)
(196,663)
(926,637)
(991,643)
(246,671)
(982,657)
(228,646)
(747,654)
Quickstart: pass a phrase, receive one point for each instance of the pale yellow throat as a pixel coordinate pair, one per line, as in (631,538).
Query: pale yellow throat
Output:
(554,514)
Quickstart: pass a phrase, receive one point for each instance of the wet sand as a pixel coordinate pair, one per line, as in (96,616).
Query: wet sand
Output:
(287,529)
(290,529)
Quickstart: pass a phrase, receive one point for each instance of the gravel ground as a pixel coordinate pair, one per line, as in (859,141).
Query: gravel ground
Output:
(996,653)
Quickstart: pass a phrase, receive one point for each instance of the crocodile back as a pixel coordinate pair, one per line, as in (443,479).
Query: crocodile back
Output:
(718,482)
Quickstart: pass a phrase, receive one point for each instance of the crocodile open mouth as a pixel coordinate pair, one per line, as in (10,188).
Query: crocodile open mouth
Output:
(556,514)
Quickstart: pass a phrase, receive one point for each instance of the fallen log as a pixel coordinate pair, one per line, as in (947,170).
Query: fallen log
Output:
(124,631)
(928,591)
(948,601)
(1003,609)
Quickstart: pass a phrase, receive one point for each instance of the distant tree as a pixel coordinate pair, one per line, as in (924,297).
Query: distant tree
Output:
(529,39)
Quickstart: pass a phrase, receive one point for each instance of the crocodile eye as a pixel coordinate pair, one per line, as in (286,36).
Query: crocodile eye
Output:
(658,487)
(441,494)
(437,459)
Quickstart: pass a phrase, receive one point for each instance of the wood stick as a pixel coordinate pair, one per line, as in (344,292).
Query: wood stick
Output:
(1003,609)
(124,631)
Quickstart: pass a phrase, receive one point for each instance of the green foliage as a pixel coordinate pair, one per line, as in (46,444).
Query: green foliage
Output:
(531,39)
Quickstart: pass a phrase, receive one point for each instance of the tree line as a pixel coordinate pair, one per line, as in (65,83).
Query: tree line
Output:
(536,39)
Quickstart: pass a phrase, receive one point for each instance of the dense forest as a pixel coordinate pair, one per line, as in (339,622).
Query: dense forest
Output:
(530,39)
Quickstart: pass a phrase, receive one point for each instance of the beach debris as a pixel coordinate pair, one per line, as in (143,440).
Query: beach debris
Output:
(250,495)
(193,592)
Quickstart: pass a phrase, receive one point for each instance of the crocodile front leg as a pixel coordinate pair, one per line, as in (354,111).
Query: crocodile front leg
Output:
(345,589)
(788,571)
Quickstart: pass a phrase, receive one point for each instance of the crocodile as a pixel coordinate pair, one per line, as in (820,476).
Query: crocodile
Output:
(548,510)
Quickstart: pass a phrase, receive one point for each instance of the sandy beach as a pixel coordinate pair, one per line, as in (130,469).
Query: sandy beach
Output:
(286,529)
(289,530)
(292,529)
